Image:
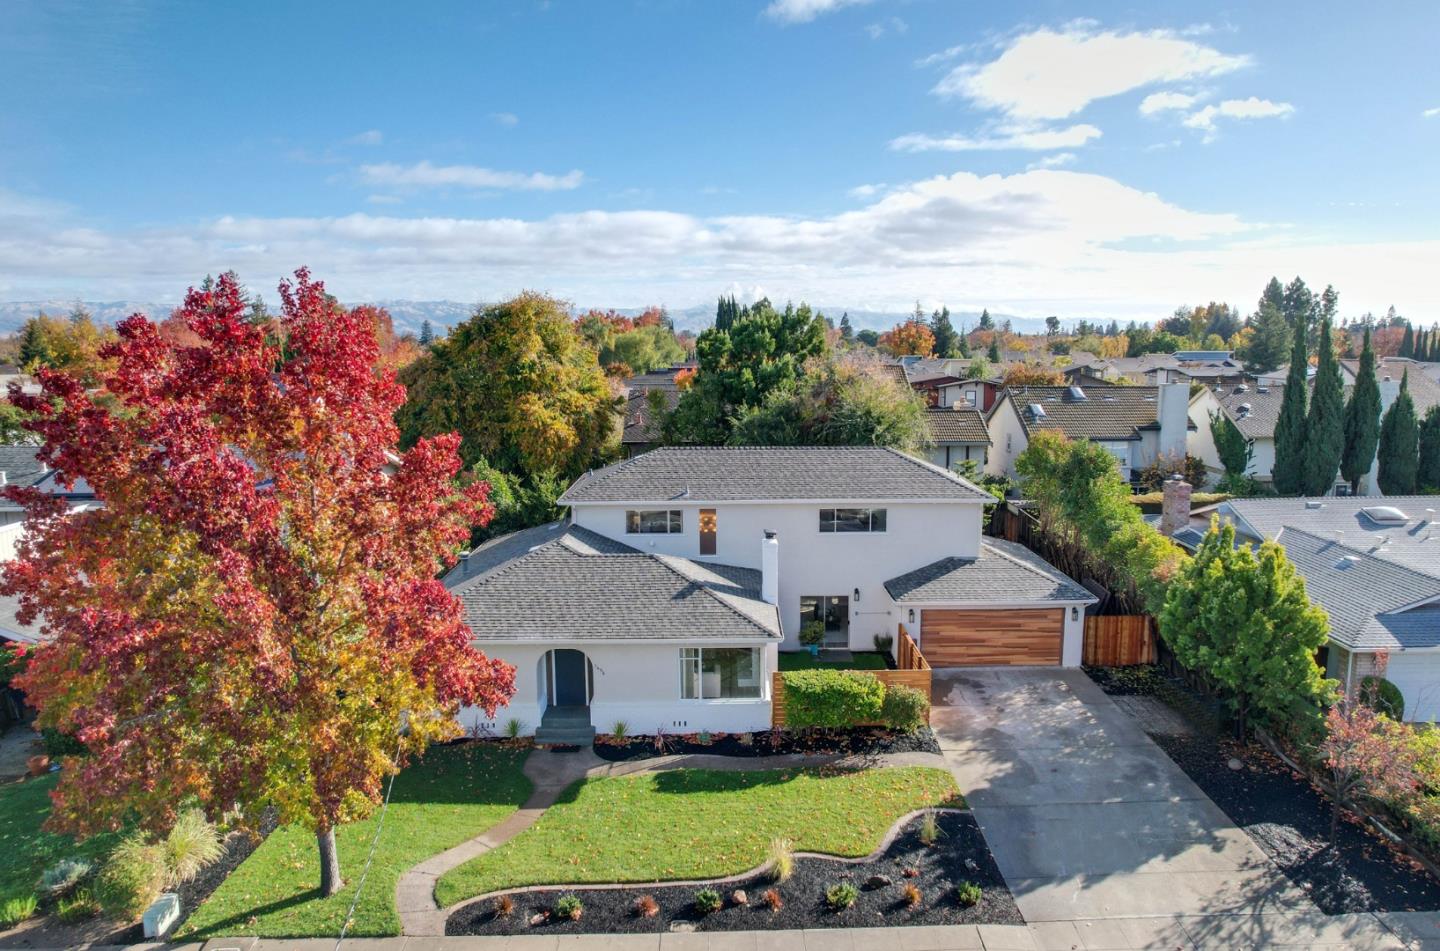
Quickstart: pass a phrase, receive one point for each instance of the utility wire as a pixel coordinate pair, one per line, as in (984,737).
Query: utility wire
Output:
(379,825)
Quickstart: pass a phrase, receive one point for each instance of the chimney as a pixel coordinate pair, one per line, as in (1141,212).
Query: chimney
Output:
(1175,507)
(770,569)
(1172,412)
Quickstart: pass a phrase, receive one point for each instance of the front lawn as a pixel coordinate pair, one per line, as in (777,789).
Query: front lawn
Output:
(862,660)
(698,823)
(453,794)
(25,849)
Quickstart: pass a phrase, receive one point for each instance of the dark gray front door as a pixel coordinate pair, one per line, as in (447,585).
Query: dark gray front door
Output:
(570,678)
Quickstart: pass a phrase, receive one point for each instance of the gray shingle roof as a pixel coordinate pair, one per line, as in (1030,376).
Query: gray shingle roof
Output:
(957,424)
(577,585)
(1414,544)
(20,465)
(1362,593)
(1005,571)
(1264,409)
(641,425)
(770,473)
(1107,412)
(10,627)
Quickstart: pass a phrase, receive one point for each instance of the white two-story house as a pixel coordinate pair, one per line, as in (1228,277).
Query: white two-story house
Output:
(665,598)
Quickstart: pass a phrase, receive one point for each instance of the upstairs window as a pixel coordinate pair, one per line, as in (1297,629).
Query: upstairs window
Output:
(852,520)
(654,522)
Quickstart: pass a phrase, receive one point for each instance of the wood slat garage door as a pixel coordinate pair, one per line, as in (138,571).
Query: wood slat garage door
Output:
(950,638)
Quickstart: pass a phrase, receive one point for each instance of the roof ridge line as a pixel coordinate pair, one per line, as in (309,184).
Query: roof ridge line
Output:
(706,588)
(1386,562)
(1025,564)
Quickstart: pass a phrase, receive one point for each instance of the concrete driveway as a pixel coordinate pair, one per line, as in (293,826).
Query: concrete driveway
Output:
(1087,817)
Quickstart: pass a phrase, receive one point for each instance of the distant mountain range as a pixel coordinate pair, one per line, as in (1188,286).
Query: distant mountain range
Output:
(410,314)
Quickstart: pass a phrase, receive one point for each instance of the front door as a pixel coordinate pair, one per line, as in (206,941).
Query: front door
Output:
(570,678)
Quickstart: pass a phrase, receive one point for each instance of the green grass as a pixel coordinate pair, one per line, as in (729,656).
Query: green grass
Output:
(697,823)
(801,660)
(453,794)
(25,849)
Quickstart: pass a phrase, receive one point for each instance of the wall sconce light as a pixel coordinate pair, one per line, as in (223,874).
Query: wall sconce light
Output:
(1074,613)
(857,595)
(912,615)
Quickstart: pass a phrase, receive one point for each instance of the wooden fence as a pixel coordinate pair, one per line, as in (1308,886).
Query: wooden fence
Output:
(912,670)
(1119,640)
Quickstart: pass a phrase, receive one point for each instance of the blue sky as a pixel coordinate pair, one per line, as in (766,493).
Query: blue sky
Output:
(1110,159)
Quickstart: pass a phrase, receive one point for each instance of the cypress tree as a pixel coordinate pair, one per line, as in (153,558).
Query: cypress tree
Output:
(1399,444)
(1325,425)
(962,343)
(1289,471)
(847,330)
(944,332)
(1421,342)
(427,333)
(1407,342)
(994,352)
(1362,420)
(1427,474)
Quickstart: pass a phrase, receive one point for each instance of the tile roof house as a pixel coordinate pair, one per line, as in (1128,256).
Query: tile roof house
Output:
(641,428)
(1135,423)
(665,597)
(1374,566)
(19,465)
(957,433)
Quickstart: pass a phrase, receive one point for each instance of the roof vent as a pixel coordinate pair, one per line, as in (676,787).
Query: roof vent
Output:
(1385,515)
(1314,504)
(1245,408)
(1035,411)
(1076,395)
(1347,562)
(1262,389)
(1242,388)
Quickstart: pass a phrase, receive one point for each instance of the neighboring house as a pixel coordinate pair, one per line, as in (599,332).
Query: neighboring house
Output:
(943,383)
(11,629)
(1201,442)
(641,428)
(1135,423)
(957,433)
(19,466)
(682,572)
(1374,566)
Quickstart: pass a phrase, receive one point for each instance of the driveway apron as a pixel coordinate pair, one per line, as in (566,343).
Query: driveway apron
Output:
(1087,818)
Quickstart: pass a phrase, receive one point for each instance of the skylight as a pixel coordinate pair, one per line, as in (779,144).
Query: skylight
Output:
(1385,515)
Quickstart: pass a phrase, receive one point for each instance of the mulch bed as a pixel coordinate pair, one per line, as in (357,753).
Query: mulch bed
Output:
(858,742)
(959,855)
(1283,812)
(237,848)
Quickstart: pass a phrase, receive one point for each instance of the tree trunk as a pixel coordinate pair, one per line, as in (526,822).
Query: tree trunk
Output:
(329,863)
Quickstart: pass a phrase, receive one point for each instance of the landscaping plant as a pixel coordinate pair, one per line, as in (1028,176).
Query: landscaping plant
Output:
(504,906)
(1384,696)
(569,908)
(131,878)
(646,906)
(841,896)
(191,844)
(15,910)
(831,699)
(64,875)
(620,732)
(772,899)
(708,901)
(256,610)
(968,894)
(912,895)
(514,728)
(781,859)
(81,906)
(929,827)
(904,708)
(1367,754)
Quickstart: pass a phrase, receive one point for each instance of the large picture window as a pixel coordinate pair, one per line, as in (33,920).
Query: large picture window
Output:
(852,520)
(656,522)
(720,673)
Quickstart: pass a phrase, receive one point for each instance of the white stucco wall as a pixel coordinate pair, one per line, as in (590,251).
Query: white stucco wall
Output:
(945,455)
(1007,438)
(639,684)
(1417,674)
(812,562)
(1200,443)
(1262,459)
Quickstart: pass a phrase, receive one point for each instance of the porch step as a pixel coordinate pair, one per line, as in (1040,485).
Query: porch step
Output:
(550,737)
(569,726)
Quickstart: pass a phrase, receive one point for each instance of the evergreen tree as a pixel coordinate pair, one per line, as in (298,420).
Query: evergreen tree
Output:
(1300,305)
(427,333)
(34,348)
(727,311)
(1325,425)
(1274,295)
(1362,420)
(1269,339)
(1231,445)
(986,322)
(1329,303)
(993,354)
(1289,471)
(1427,474)
(1407,342)
(1399,444)
(945,335)
(847,331)
(962,343)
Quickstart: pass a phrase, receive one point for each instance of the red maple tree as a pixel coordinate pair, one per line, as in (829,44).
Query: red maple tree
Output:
(251,619)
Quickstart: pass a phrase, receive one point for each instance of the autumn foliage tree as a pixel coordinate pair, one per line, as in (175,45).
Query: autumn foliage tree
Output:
(913,337)
(252,619)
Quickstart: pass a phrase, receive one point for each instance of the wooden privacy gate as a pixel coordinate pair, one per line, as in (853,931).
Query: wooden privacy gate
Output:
(1119,640)
(912,671)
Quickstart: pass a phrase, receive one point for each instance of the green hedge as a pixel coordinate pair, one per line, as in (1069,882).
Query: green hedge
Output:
(904,708)
(831,699)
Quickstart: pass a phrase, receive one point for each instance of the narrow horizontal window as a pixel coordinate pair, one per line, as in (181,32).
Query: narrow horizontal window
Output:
(654,522)
(852,520)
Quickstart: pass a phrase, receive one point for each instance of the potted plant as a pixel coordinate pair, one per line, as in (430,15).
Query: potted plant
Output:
(812,635)
(38,765)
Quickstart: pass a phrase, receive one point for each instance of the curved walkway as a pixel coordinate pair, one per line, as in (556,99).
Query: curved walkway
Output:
(552,773)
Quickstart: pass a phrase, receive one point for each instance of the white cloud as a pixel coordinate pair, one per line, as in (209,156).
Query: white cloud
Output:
(368,137)
(1431,113)
(803,11)
(1252,108)
(1050,74)
(1058,160)
(385,199)
(1002,137)
(1033,243)
(507,119)
(893,25)
(426,175)
(867,190)
(1158,102)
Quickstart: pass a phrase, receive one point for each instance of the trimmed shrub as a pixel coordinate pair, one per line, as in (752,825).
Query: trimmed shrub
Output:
(192,844)
(904,708)
(708,901)
(772,899)
(1384,696)
(831,699)
(131,879)
(841,896)
(569,908)
(646,906)
(913,896)
(884,643)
